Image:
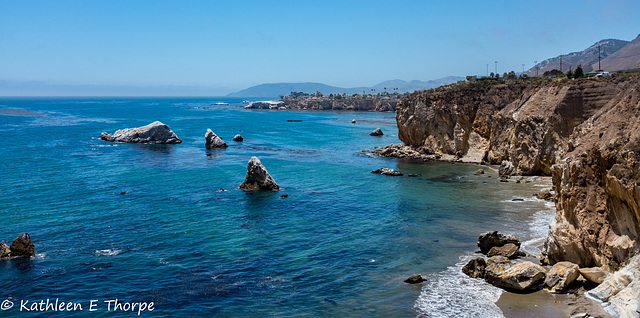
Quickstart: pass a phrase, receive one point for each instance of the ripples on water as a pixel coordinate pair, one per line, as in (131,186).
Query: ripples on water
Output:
(168,224)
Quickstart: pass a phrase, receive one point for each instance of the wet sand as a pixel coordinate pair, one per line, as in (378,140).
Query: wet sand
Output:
(548,305)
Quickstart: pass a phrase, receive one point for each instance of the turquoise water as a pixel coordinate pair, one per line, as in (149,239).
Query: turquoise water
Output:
(167,223)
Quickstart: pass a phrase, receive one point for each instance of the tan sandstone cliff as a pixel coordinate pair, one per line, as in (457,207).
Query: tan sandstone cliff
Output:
(582,132)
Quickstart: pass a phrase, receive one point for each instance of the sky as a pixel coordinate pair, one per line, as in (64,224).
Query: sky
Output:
(191,47)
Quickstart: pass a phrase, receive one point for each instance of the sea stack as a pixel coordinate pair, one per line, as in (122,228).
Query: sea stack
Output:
(154,133)
(213,141)
(22,246)
(257,177)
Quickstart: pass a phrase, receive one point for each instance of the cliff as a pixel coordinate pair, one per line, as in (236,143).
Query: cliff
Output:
(585,133)
(598,188)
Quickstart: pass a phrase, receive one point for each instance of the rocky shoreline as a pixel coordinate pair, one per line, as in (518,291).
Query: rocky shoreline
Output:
(585,133)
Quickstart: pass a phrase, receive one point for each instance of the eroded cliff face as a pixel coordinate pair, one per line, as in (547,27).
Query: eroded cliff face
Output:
(527,124)
(597,221)
(585,133)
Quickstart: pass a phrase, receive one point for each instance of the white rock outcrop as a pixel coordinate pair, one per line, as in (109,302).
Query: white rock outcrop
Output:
(154,133)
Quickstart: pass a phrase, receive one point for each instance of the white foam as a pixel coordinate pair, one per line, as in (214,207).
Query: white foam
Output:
(109,252)
(451,293)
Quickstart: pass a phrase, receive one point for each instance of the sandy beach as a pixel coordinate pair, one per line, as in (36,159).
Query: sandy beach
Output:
(548,305)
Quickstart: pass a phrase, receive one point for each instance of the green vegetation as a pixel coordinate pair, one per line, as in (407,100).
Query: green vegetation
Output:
(578,73)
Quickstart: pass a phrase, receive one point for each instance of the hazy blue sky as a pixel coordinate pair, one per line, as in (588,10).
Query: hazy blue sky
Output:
(223,46)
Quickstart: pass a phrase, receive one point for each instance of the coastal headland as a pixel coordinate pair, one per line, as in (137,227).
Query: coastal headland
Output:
(582,132)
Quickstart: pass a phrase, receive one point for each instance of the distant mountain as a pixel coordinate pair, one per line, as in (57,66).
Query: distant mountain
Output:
(628,57)
(274,90)
(587,58)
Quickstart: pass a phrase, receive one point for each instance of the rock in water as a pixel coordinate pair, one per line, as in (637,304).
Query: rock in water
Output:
(237,138)
(561,276)
(387,172)
(475,268)
(525,276)
(415,279)
(213,141)
(5,251)
(258,177)
(376,132)
(154,133)
(490,239)
(22,246)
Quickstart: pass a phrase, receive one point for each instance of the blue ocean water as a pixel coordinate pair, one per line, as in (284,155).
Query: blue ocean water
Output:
(167,223)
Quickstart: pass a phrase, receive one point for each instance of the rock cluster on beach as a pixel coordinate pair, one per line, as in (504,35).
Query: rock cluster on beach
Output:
(213,141)
(21,246)
(257,177)
(505,268)
(154,133)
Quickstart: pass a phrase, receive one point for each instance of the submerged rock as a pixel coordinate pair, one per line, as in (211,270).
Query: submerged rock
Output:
(154,133)
(22,246)
(480,171)
(387,172)
(490,239)
(257,177)
(237,138)
(376,132)
(415,279)
(5,251)
(213,141)
(475,268)
(561,276)
(525,276)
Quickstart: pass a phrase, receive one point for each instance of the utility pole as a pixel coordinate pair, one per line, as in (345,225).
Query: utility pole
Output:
(599,68)
(496,68)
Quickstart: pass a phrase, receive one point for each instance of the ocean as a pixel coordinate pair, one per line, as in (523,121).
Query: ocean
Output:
(120,226)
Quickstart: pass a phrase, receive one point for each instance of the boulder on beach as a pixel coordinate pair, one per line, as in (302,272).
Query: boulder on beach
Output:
(376,132)
(387,172)
(545,195)
(22,246)
(475,268)
(237,138)
(508,250)
(490,239)
(594,274)
(5,251)
(154,133)
(257,177)
(519,277)
(561,276)
(213,141)
(506,168)
(415,279)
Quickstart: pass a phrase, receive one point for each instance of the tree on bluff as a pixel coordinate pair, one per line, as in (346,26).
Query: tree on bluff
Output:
(578,73)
